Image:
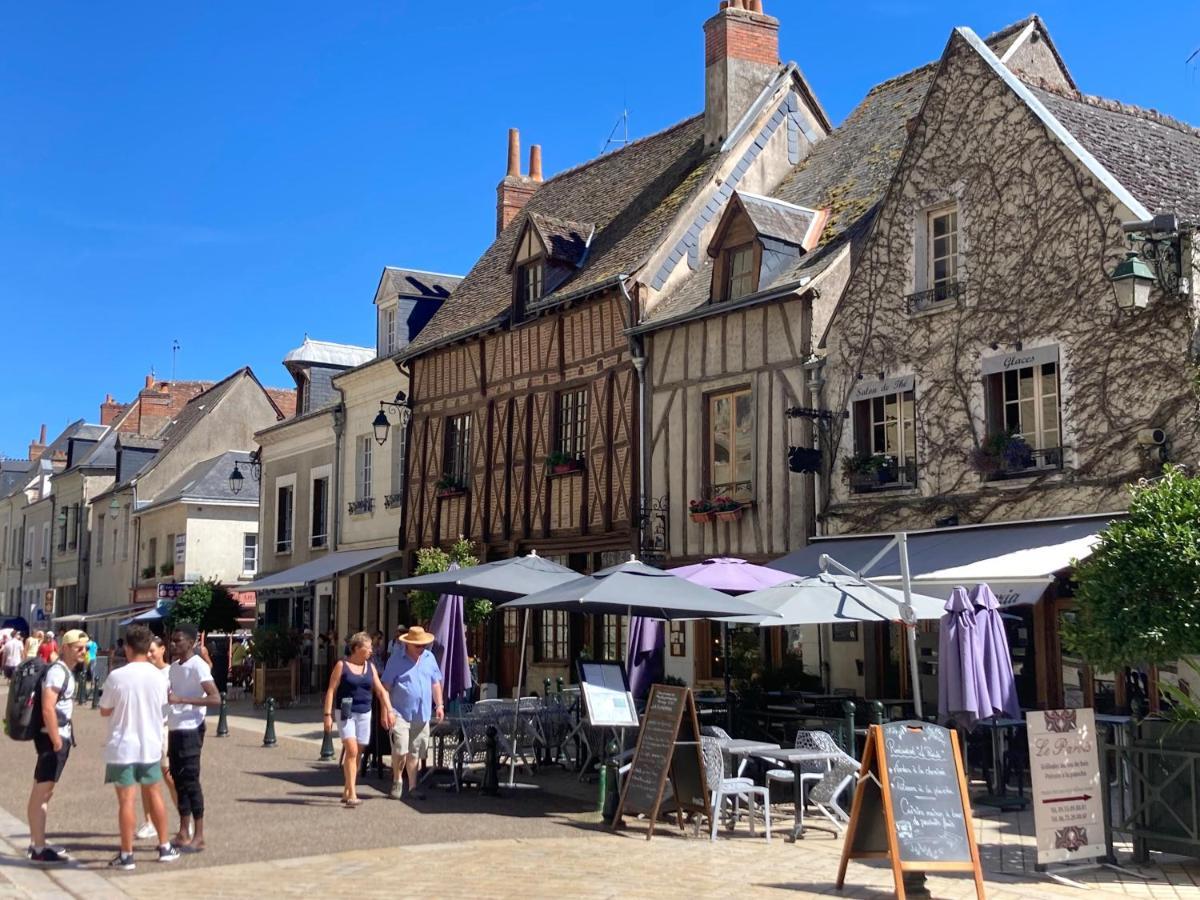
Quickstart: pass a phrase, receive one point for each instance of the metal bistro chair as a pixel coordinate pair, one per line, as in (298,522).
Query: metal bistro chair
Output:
(810,772)
(734,789)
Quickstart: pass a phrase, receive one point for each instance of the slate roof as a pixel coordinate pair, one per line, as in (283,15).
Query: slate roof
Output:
(777,218)
(14,475)
(416,284)
(565,241)
(103,455)
(1155,157)
(630,195)
(209,481)
(140,441)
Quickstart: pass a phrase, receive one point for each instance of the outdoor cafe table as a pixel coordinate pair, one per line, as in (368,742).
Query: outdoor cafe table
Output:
(743,749)
(793,758)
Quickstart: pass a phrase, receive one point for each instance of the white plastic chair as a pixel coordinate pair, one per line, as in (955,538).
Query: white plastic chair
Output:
(722,789)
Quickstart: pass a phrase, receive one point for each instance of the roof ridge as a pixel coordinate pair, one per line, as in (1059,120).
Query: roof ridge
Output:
(578,167)
(422,272)
(1117,106)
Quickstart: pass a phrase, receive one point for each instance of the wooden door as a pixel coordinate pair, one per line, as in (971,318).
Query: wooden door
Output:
(510,651)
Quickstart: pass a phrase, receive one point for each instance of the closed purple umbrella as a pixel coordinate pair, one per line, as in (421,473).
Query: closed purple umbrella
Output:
(997,658)
(450,643)
(644,660)
(962,682)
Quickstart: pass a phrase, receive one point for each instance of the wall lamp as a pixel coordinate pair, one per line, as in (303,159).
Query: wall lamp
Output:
(237,479)
(1155,256)
(382,424)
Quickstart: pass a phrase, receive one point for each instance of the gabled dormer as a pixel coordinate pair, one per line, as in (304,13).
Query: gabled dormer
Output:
(757,240)
(546,254)
(405,301)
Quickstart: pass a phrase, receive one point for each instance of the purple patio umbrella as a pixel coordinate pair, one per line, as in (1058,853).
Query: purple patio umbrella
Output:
(449,630)
(997,658)
(730,575)
(962,682)
(644,661)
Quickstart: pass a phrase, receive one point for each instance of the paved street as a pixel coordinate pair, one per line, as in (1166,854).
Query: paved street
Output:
(274,821)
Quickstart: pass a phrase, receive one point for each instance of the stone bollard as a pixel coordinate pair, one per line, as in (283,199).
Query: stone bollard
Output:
(490,787)
(223,719)
(269,736)
(327,744)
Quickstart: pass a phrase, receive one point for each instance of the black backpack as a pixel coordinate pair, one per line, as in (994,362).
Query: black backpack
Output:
(23,717)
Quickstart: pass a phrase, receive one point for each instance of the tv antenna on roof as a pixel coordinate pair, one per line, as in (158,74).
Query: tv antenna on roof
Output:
(174,350)
(622,126)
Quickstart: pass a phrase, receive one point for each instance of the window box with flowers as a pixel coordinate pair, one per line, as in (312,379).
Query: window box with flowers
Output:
(559,463)
(727,509)
(450,487)
(1008,455)
(701,511)
(166,569)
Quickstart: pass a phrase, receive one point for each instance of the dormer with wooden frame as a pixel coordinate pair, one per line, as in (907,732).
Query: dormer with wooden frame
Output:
(757,240)
(546,254)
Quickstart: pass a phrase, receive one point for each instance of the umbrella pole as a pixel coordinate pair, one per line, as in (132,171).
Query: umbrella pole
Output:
(728,678)
(910,623)
(512,757)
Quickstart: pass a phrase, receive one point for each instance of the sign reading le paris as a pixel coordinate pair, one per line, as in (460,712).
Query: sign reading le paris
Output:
(1065,769)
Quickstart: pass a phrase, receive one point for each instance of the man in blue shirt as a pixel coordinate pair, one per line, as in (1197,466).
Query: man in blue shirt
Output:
(414,680)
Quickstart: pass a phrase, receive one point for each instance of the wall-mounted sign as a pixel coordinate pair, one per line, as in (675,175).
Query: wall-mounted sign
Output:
(180,552)
(1020,359)
(48,601)
(1067,793)
(866,390)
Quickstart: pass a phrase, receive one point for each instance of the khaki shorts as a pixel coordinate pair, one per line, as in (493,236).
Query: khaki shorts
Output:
(410,737)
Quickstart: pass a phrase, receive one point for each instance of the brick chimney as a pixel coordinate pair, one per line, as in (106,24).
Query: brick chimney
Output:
(515,189)
(37,449)
(110,410)
(741,54)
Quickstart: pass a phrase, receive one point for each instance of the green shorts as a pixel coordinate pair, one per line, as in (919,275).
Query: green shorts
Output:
(131,774)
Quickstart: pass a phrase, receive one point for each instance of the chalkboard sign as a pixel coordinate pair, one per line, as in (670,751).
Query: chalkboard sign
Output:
(911,804)
(668,745)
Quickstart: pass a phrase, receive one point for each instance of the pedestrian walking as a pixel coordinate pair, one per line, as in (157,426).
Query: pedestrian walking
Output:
(32,643)
(192,692)
(53,745)
(414,682)
(158,658)
(48,649)
(133,701)
(351,684)
(93,650)
(13,652)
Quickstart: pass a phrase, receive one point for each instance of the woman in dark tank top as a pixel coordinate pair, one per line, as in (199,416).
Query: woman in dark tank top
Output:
(351,684)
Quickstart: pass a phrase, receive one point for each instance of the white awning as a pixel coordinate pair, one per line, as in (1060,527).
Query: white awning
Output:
(1018,560)
(126,610)
(322,568)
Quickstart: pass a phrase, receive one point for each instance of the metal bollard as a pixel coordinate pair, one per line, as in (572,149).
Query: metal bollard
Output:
(848,711)
(95,693)
(223,719)
(269,736)
(546,691)
(560,684)
(876,713)
(609,779)
(490,787)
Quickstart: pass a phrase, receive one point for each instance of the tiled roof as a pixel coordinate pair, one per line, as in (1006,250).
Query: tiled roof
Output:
(630,195)
(209,480)
(565,241)
(1156,158)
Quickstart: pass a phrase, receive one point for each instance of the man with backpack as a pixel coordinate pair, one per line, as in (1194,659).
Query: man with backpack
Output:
(50,704)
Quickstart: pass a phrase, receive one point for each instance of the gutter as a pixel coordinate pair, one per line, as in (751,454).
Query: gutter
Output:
(637,353)
(710,309)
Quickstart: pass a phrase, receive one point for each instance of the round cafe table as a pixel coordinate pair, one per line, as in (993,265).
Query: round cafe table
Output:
(792,758)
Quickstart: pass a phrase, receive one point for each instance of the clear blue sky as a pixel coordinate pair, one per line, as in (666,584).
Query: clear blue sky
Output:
(233,175)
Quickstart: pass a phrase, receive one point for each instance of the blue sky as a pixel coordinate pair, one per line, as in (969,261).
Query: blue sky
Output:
(234,175)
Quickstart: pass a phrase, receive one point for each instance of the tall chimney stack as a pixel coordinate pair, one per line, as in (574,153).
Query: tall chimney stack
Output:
(515,189)
(110,410)
(741,54)
(37,449)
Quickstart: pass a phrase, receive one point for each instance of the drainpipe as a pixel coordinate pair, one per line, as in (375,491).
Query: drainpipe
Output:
(79,532)
(137,547)
(637,353)
(50,552)
(21,570)
(339,429)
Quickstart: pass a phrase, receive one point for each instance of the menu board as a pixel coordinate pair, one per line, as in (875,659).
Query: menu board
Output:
(911,804)
(606,696)
(660,753)
(1065,767)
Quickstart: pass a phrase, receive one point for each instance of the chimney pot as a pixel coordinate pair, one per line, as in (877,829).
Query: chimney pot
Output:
(42,436)
(149,381)
(514,153)
(535,162)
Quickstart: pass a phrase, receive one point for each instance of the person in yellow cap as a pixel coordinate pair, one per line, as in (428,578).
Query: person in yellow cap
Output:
(53,744)
(413,680)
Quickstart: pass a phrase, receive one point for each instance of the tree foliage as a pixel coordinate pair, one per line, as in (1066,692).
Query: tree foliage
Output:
(434,559)
(206,604)
(1139,592)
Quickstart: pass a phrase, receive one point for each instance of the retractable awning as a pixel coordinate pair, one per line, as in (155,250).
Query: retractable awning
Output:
(113,612)
(1018,560)
(344,562)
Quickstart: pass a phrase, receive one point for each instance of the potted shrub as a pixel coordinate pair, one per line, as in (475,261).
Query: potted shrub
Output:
(701,511)
(869,469)
(727,509)
(1001,453)
(166,569)
(147,571)
(560,463)
(274,650)
(450,486)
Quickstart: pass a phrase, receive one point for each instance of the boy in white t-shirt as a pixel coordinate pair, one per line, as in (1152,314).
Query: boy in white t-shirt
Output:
(192,692)
(133,701)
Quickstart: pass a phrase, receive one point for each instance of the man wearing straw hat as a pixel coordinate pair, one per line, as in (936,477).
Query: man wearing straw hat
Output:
(414,681)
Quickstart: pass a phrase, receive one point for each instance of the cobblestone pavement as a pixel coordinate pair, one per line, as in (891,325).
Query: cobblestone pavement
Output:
(276,830)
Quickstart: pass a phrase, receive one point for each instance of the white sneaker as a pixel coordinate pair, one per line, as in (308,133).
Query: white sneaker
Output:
(147,831)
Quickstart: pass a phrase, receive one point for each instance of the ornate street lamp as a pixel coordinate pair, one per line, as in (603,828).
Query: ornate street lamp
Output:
(1132,279)
(382,424)
(1156,255)
(237,479)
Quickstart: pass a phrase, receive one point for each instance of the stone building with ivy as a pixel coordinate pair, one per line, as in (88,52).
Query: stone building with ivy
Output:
(999,369)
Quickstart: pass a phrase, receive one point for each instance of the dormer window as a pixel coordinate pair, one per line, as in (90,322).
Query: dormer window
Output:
(757,241)
(743,274)
(387,331)
(531,281)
